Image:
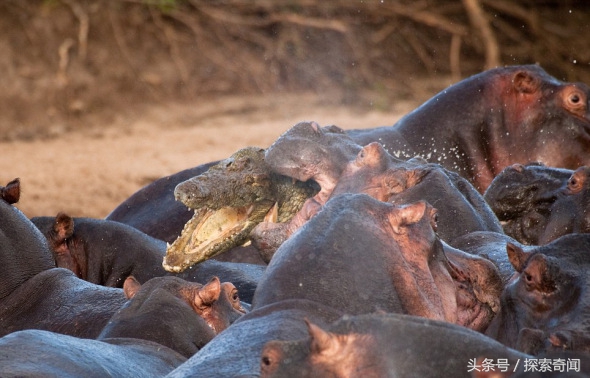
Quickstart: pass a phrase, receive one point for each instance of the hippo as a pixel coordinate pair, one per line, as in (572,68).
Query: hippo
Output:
(388,256)
(188,314)
(106,252)
(521,196)
(386,345)
(545,307)
(482,124)
(319,275)
(153,333)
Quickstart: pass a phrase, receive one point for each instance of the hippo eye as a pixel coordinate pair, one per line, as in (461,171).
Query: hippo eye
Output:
(575,101)
(574,184)
(266,360)
(234,296)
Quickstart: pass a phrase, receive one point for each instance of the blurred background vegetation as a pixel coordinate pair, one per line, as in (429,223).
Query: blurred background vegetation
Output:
(77,62)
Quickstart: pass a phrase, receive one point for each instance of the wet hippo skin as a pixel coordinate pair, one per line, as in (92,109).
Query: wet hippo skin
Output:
(482,124)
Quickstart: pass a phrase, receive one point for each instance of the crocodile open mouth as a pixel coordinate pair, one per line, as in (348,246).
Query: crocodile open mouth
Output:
(210,232)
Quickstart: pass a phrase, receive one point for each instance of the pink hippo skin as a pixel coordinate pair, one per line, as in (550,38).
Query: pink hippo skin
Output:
(503,116)
(388,256)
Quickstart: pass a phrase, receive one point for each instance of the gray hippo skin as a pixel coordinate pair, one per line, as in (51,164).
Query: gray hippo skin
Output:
(546,306)
(236,351)
(36,294)
(521,196)
(384,345)
(106,252)
(491,246)
(570,213)
(503,116)
(538,204)
(153,333)
(389,257)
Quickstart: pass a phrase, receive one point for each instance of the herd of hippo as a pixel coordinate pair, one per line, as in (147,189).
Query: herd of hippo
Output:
(455,243)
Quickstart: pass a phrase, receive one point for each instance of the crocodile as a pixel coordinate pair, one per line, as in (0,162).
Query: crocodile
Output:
(229,200)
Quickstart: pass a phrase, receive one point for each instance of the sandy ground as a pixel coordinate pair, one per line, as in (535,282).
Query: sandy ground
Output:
(89,172)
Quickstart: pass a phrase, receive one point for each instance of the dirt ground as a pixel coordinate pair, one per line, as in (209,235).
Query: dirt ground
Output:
(88,172)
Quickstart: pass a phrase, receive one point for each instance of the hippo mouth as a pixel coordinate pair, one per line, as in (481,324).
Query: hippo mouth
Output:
(477,301)
(472,312)
(211,232)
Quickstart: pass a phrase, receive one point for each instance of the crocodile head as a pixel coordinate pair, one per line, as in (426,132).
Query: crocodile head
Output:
(229,200)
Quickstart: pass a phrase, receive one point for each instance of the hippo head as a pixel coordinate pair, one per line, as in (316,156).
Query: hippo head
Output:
(521,196)
(570,211)
(308,151)
(547,296)
(176,313)
(543,119)
(378,174)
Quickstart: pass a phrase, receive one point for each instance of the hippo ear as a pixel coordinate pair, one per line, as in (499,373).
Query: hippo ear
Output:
(315,126)
(208,294)
(407,215)
(517,256)
(525,82)
(321,341)
(11,192)
(130,287)
(63,226)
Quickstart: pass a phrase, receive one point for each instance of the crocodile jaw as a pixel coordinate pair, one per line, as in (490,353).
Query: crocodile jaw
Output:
(210,232)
